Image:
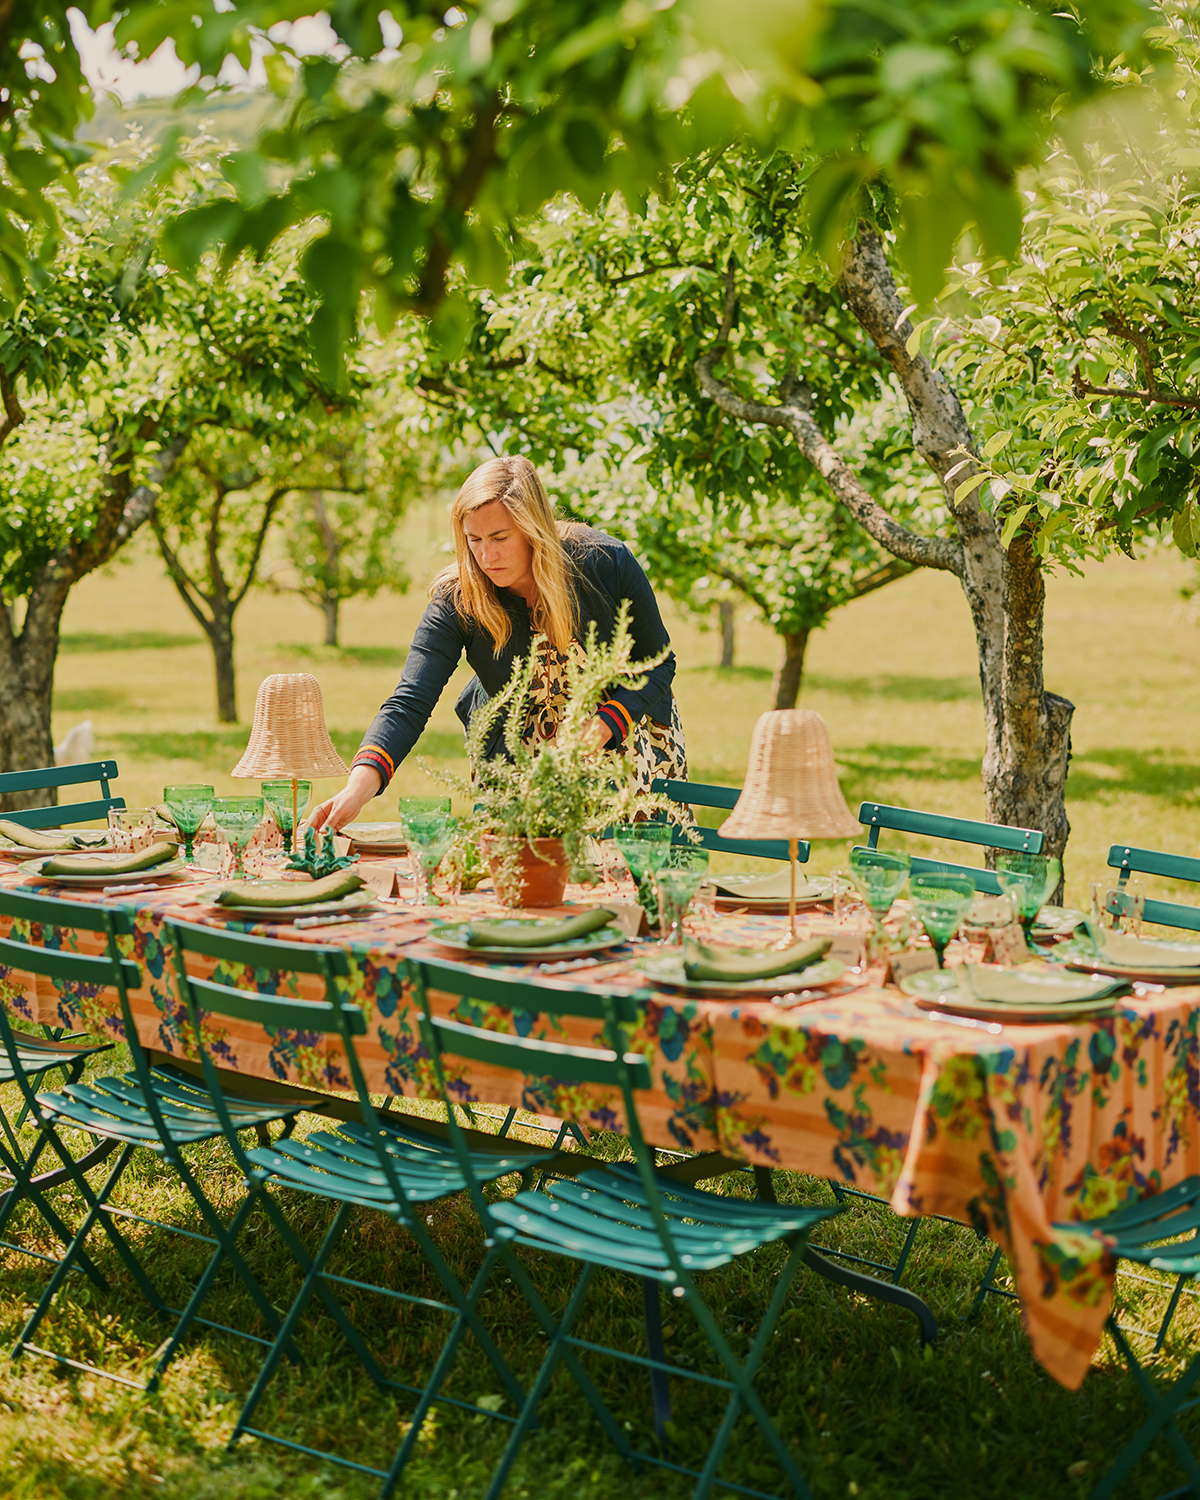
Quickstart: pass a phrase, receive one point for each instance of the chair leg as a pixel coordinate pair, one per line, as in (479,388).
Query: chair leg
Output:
(1162,1419)
(660,1387)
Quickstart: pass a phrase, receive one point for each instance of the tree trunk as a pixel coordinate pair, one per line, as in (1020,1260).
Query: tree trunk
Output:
(725,609)
(220,637)
(329,605)
(791,668)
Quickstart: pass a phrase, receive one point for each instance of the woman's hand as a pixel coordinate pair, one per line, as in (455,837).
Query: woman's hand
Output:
(598,731)
(336,812)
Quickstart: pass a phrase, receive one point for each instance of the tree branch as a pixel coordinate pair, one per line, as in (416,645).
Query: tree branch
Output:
(13,413)
(1084,388)
(180,578)
(269,510)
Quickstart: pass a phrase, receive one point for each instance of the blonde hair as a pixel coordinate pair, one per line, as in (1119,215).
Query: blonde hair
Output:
(515,484)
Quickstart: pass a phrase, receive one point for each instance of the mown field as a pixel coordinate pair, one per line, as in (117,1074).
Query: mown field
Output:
(868,1413)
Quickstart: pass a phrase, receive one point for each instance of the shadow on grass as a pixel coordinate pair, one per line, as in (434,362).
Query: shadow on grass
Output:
(1148,773)
(132,640)
(89,699)
(904,689)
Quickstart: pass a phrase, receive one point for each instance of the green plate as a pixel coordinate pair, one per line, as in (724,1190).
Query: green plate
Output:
(33,868)
(1015,995)
(817,891)
(355,901)
(1052,919)
(667,969)
(1079,954)
(454,935)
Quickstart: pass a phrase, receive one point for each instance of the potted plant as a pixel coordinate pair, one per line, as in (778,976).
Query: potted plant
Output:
(534,807)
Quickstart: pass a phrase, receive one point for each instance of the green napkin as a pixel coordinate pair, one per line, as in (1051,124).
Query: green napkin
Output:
(737,964)
(108,864)
(1143,953)
(268,893)
(1011,987)
(761,887)
(536,932)
(52,840)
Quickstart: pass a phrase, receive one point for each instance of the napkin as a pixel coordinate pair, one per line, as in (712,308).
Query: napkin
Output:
(386,835)
(536,932)
(776,887)
(739,965)
(268,893)
(1143,953)
(1011,987)
(52,840)
(109,864)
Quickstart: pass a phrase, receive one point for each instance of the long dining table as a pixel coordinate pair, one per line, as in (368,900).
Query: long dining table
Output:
(1024,1132)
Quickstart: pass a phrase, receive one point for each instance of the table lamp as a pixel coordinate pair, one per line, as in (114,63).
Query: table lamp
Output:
(791,789)
(288,740)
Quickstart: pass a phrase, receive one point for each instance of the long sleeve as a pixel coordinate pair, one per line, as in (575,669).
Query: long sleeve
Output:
(624,707)
(436,650)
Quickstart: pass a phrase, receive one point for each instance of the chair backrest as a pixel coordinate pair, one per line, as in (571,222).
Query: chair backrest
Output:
(698,794)
(876,816)
(609,1066)
(52,961)
(1128,860)
(102,771)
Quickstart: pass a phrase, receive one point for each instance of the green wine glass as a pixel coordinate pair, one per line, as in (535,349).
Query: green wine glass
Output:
(1029,879)
(880,877)
(237,818)
(677,883)
(645,847)
(278,797)
(429,836)
(408,805)
(189,805)
(941,901)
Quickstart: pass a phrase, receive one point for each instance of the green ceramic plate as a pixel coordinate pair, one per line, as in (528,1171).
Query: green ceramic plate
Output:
(355,901)
(454,935)
(667,969)
(1079,954)
(816,890)
(1016,995)
(33,868)
(1052,919)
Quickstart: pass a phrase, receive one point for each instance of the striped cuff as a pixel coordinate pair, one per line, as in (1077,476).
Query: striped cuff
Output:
(378,760)
(616,716)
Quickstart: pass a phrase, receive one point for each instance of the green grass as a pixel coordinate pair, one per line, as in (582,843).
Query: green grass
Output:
(867,1411)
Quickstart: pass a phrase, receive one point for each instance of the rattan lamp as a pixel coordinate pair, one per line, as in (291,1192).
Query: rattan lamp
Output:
(288,739)
(791,789)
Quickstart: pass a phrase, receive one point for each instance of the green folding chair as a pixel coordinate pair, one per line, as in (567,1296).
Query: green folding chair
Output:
(625,1217)
(698,794)
(1129,860)
(26,1062)
(877,816)
(159,1109)
(1141,1233)
(394,1165)
(46,777)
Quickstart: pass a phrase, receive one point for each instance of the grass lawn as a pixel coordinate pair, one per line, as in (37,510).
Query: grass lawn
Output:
(868,1413)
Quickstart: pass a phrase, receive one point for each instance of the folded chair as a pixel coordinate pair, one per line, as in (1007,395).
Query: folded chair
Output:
(394,1165)
(101,771)
(624,1217)
(161,1110)
(1136,1234)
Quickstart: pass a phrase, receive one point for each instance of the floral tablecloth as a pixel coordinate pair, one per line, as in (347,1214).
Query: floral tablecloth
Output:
(1009,1133)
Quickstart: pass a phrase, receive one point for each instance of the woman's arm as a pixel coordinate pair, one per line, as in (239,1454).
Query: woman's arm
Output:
(436,650)
(624,706)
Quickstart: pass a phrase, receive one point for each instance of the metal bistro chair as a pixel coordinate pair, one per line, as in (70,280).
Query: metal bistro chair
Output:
(698,794)
(160,1109)
(394,1164)
(102,771)
(624,1217)
(1128,860)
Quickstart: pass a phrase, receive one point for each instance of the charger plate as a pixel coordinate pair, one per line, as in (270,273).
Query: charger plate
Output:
(817,890)
(355,901)
(1016,995)
(376,838)
(32,869)
(1079,954)
(1052,920)
(454,935)
(666,969)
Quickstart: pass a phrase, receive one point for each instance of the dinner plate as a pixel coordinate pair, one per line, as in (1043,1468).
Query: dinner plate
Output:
(667,969)
(32,868)
(1080,955)
(817,891)
(454,935)
(1055,919)
(355,901)
(26,851)
(378,838)
(1022,995)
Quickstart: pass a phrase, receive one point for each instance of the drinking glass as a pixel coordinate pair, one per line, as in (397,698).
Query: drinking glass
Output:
(645,847)
(189,806)
(1029,880)
(237,818)
(678,881)
(278,797)
(423,805)
(941,902)
(880,877)
(429,836)
(132,828)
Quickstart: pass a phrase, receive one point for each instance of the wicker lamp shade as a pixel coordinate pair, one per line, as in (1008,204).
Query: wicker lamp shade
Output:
(289,738)
(791,789)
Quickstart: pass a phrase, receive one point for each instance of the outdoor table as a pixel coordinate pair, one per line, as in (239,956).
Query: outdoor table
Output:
(1008,1133)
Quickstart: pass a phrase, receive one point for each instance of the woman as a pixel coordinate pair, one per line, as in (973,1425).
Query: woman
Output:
(519,573)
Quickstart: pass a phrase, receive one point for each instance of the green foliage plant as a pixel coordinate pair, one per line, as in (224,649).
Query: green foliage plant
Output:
(567,788)
(320,857)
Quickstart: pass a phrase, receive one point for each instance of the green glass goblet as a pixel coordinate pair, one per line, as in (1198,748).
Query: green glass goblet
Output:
(880,877)
(429,836)
(645,847)
(941,902)
(278,797)
(408,805)
(237,818)
(1029,879)
(677,883)
(189,806)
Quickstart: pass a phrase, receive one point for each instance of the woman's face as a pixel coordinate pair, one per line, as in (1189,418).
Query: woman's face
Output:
(499,548)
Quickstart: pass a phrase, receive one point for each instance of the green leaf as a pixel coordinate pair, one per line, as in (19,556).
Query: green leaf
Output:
(1013,522)
(968,486)
(1185,529)
(996,444)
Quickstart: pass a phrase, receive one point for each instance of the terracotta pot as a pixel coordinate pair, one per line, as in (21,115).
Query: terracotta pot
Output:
(543,874)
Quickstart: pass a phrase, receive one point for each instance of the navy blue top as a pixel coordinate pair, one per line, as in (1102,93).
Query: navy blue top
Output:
(604,573)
